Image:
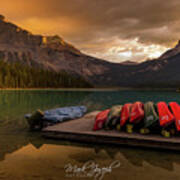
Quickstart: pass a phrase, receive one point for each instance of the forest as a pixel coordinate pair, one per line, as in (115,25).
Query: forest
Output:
(17,75)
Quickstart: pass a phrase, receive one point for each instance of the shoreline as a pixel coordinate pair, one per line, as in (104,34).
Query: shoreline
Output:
(90,89)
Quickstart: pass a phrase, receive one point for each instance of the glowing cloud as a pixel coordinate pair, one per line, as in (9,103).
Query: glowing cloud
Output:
(115,30)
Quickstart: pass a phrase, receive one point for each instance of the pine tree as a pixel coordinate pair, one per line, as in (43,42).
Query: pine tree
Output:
(16,75)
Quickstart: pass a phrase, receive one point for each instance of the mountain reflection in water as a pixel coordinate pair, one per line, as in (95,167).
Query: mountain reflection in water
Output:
(49,160)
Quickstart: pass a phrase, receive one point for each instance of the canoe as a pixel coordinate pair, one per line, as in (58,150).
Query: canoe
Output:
(125,114)
(175,108)
(151,115)
(165,116)
(100,119)
(113,117)
(80,130)
(137,113)
(40,119)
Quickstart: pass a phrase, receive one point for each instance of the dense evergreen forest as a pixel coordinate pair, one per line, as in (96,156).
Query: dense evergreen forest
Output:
(16,75)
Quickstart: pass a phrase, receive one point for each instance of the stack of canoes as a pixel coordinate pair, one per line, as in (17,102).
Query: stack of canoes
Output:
(143,118)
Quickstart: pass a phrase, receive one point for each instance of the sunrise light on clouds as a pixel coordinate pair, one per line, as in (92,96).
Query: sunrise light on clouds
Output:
(109,30)
(122,50)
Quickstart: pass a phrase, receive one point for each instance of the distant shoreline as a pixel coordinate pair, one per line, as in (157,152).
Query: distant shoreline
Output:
(91,89)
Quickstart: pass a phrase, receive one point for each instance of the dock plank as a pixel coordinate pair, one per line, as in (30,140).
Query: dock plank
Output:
(81,130)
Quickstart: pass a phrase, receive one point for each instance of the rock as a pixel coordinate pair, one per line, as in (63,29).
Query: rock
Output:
(35,121)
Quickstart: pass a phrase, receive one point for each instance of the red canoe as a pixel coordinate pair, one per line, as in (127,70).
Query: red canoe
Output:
(165,116)
(125,114)
(137,113)
(175,108)
(100,119)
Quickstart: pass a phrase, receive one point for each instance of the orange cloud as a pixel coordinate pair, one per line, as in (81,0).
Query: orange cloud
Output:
(64,26)
(91,25)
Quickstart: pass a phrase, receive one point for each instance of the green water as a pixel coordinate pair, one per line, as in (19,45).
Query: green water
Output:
(25,155)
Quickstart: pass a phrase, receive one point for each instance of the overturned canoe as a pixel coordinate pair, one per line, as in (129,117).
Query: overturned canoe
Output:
(80,130)
(113,117)
(39,119)
(151,115)
(137,113)
(125,114)
(100,119)
(175,108)
(165,116)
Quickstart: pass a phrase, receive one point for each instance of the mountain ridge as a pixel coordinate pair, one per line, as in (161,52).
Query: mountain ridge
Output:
(52,53)
(47,52)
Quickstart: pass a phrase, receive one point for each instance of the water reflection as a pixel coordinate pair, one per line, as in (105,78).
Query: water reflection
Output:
(48,161)
(30,154)
(14,104)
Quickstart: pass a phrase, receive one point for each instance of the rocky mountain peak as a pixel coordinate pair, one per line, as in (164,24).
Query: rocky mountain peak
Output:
(47,52)
(52,39)
(57,43)
(12,35)
(178,44)
(172,52)
(17,40)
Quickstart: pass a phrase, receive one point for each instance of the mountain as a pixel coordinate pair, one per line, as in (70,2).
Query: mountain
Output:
(29,60)
(129,62)
(162,72)
(53,54)
(46,52)
(172,52)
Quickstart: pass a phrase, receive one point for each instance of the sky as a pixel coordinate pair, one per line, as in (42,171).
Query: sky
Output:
(115,30)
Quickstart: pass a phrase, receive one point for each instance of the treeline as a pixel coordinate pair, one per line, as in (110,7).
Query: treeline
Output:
(16,75)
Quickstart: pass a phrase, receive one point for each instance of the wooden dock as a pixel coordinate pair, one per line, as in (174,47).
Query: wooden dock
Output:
(80,130)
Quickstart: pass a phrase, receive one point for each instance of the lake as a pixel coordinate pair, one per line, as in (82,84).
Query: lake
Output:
(25,155)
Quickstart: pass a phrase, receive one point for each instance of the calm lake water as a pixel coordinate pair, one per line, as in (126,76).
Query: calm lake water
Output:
(25,155)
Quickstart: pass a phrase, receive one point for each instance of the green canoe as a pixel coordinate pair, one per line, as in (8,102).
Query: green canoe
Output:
(113,117)
(151,116)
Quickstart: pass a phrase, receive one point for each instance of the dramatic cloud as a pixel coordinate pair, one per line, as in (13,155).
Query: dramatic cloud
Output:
(115,30)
